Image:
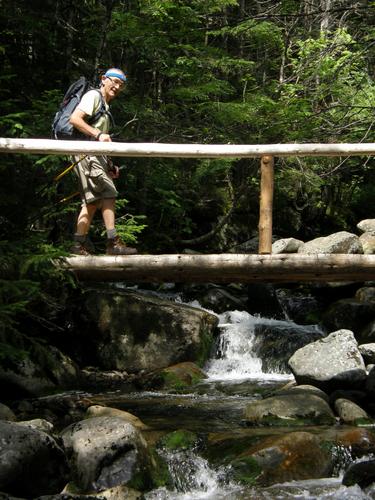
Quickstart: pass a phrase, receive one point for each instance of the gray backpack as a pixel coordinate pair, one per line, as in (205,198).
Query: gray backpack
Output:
(61,127)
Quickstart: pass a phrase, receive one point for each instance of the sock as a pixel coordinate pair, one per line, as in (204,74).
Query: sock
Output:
(111,233)
(81,238)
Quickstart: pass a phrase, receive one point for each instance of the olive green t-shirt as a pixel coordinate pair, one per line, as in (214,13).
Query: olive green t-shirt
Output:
(90,104)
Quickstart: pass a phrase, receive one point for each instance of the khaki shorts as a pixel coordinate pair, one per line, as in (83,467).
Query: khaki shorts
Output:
(94,181)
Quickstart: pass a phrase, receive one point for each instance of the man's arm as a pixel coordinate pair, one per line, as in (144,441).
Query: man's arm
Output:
(77,119)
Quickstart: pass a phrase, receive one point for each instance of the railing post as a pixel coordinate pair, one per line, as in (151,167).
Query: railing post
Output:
(265,206)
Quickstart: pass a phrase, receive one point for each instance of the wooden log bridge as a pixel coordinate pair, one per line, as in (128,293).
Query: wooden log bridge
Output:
(222,268)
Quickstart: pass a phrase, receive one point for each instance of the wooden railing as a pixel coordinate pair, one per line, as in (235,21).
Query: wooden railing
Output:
(266,152)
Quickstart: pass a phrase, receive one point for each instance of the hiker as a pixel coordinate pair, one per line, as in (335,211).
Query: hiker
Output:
(96,173)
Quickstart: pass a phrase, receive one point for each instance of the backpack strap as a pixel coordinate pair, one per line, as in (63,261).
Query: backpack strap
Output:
(102,111)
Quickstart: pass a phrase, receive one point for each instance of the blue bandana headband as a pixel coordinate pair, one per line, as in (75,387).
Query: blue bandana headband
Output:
(114,74)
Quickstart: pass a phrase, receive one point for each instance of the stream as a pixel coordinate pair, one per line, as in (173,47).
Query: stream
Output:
(213,409)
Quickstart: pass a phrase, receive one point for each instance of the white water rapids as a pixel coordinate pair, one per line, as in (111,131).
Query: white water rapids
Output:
(194,478)
(237,359)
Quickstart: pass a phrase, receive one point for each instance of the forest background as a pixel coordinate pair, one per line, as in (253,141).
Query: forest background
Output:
(199,71)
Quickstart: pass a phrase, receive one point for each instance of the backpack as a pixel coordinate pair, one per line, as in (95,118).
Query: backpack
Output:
(61,128)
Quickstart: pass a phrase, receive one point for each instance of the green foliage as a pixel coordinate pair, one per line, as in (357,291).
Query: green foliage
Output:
(11,354)
(200,71)
(15,296)
(31,286)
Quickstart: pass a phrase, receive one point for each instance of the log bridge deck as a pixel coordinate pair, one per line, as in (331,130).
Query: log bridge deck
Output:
(216,268)
(222,268)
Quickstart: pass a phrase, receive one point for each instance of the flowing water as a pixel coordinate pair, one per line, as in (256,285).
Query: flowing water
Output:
(235,376)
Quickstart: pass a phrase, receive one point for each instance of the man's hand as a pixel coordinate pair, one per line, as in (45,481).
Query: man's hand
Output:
(104,137)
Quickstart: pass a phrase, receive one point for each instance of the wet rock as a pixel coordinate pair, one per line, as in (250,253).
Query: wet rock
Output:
(263,300)
(59,409)
(120,492)
(133,332)
(105,411)
(176,377)
(295,456)
(370,382)
(351,314)
(367,226)
(349,412)
(69,496)
(42,368)
(287,245)
(104,380)
(289,409)
(179,440)
(341,242)
(301,305)
(6,413)
(368,353)
(361,473)
(275,343)
(303,389)
(366,294)
(331,363)
(220,300)
(31,462)
(367,334)
(40,424)
(107,452)
(357,397)
(182,375)
(360,441)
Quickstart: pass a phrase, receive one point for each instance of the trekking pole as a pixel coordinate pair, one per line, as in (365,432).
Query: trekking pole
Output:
(68,169)
(69,197)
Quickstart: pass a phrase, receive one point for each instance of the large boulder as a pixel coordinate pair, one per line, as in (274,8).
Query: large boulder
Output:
(367,226)
(106,411)
(349,412)
(368,243)
(287,245)
(333,362)
(361,473)
(31,462)
(105,452)
(368,353)
(302,389)
(294,456)
(6,413)
(359,440)
(275,342)
(341,242)
(351,314)
(219,300)
(35,368)
(133,332)
(180,376)
(289,409)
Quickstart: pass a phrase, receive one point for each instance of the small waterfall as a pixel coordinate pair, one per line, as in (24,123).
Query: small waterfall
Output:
(192,478)
(237,353)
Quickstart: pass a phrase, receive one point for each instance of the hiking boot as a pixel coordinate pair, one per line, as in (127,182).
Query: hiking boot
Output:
(115,246)
(78,248)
